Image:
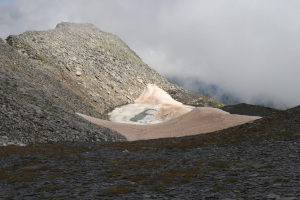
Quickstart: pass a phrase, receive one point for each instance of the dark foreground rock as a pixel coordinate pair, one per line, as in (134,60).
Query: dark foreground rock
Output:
(259,160)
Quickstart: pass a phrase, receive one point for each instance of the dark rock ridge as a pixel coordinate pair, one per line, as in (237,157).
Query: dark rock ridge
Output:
(29,114)
(96,70)
(193,99)
(248,109)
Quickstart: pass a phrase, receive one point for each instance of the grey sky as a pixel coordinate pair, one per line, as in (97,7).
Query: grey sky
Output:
(249,47)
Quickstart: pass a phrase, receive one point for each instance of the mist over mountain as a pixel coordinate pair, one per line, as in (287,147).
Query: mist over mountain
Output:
(227,97)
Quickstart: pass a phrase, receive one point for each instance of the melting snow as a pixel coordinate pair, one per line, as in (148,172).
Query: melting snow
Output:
(153,106)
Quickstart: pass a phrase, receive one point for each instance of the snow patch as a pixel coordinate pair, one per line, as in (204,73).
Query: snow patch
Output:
(153,106)
(154,94)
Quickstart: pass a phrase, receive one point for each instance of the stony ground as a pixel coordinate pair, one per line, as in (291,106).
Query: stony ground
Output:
(27,116)
(252,161)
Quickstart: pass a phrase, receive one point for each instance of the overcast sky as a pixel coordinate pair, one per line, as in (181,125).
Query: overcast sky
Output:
(249,47)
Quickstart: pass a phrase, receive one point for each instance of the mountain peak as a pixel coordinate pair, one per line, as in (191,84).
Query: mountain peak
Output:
(72,24)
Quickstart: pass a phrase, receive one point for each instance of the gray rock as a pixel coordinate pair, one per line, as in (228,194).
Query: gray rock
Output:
(28,115)
(273,196)
(78,73)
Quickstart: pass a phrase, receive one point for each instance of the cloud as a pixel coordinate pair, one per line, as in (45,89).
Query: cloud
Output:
(249,47)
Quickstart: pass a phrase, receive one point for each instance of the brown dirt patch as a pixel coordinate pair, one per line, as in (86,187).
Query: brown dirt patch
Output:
(198,121)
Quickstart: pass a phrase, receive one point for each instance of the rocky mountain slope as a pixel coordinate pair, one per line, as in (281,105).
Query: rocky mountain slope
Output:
(47,76)
(28,114)
(98,69)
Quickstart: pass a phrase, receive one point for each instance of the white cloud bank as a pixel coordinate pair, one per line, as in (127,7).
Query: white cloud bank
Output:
(249,47)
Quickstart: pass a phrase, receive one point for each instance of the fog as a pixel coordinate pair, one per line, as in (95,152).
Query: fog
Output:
(248,47)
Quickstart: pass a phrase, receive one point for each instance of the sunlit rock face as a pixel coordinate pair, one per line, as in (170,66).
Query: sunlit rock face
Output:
(153,106)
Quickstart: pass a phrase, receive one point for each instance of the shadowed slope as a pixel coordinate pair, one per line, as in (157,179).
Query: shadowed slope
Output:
(248,109)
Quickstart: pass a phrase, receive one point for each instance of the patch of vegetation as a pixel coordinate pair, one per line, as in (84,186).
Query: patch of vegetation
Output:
(50,188)
(106,167)
(279,179)
(200,163)
(120,162)
(59,175)
(45,60)
(159,187)
(138,177)
(266,182)
(141,164)
(44,197)
(21,187)
(49,150)
(151,163)
(120,189)
(177,176)
(115,172)
(10,197)
(218,188)
(220,164)
(217,165)
(232,174)
(27,172)
(21,179)
(83,192)
(134,171)
(75,187)
(266,166)
(5,174)
(247,169)
(231,180)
